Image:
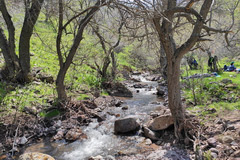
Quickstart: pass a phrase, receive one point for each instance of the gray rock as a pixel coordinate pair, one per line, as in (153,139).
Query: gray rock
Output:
(150,134)
(23,140)
(161,122)
(117,89)
(212,142)
(126,125)
(227,139)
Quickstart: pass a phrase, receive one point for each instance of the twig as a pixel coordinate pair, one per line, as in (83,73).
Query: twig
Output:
(14,141)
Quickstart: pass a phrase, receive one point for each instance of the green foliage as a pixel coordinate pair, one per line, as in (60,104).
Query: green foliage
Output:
(207,155)
(50,114)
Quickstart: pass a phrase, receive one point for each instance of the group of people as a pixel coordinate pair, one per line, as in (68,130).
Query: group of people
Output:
(229,68)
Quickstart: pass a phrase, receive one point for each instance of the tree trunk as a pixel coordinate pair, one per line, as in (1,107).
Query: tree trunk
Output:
(8,45)
(31,16)
(163,63)
(62,95)
(114,65)
(174,97)
(9,71)
(106,63)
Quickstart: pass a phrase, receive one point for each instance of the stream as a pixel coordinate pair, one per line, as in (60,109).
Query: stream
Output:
(101,139)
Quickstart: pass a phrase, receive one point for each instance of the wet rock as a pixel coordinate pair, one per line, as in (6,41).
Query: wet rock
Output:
(227,139)
(140,85)
(125,108)
(126,125)
(236,154)
(117,89)
(160,123)
(150,134)
(75,134)
(35,156)
(99,118)
(161,91)
(118,103)
(96,158)
(212,142)
(136,73)
(137,91)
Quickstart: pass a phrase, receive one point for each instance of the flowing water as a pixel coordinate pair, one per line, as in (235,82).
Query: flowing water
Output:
(101,139)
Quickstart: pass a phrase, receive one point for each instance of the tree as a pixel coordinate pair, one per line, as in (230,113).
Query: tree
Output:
(167,17)
(18,67)
(84,18)
(108,46)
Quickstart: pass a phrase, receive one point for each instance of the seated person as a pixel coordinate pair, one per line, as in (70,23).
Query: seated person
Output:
(232,67)
(225,68)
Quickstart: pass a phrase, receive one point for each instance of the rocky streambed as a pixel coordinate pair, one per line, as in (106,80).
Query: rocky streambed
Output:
(139,127)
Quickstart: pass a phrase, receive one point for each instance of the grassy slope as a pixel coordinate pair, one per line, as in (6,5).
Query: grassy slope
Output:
(79,79)
(213,89)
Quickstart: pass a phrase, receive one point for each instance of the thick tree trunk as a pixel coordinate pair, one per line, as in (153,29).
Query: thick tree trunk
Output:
(174,97)
(8,45)
(31,16)
(163,63)
(62,95)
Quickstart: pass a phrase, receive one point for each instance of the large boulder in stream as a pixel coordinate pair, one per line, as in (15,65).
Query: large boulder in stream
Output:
(161,122)
(117,89)
(35,156)
(126,125)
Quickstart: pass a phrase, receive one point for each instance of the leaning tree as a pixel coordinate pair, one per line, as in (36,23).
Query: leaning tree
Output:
(179,27)
(81,18)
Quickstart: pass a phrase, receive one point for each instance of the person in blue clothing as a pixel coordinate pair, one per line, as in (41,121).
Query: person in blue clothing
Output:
(231,67)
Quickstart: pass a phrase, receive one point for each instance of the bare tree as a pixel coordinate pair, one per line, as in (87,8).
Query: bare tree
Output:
(167,18)
(108,45)
(18,67)
(65,62)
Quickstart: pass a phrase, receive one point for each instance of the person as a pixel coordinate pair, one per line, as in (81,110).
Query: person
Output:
(194,63)
(225,68)
(232,67)
(210,63)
